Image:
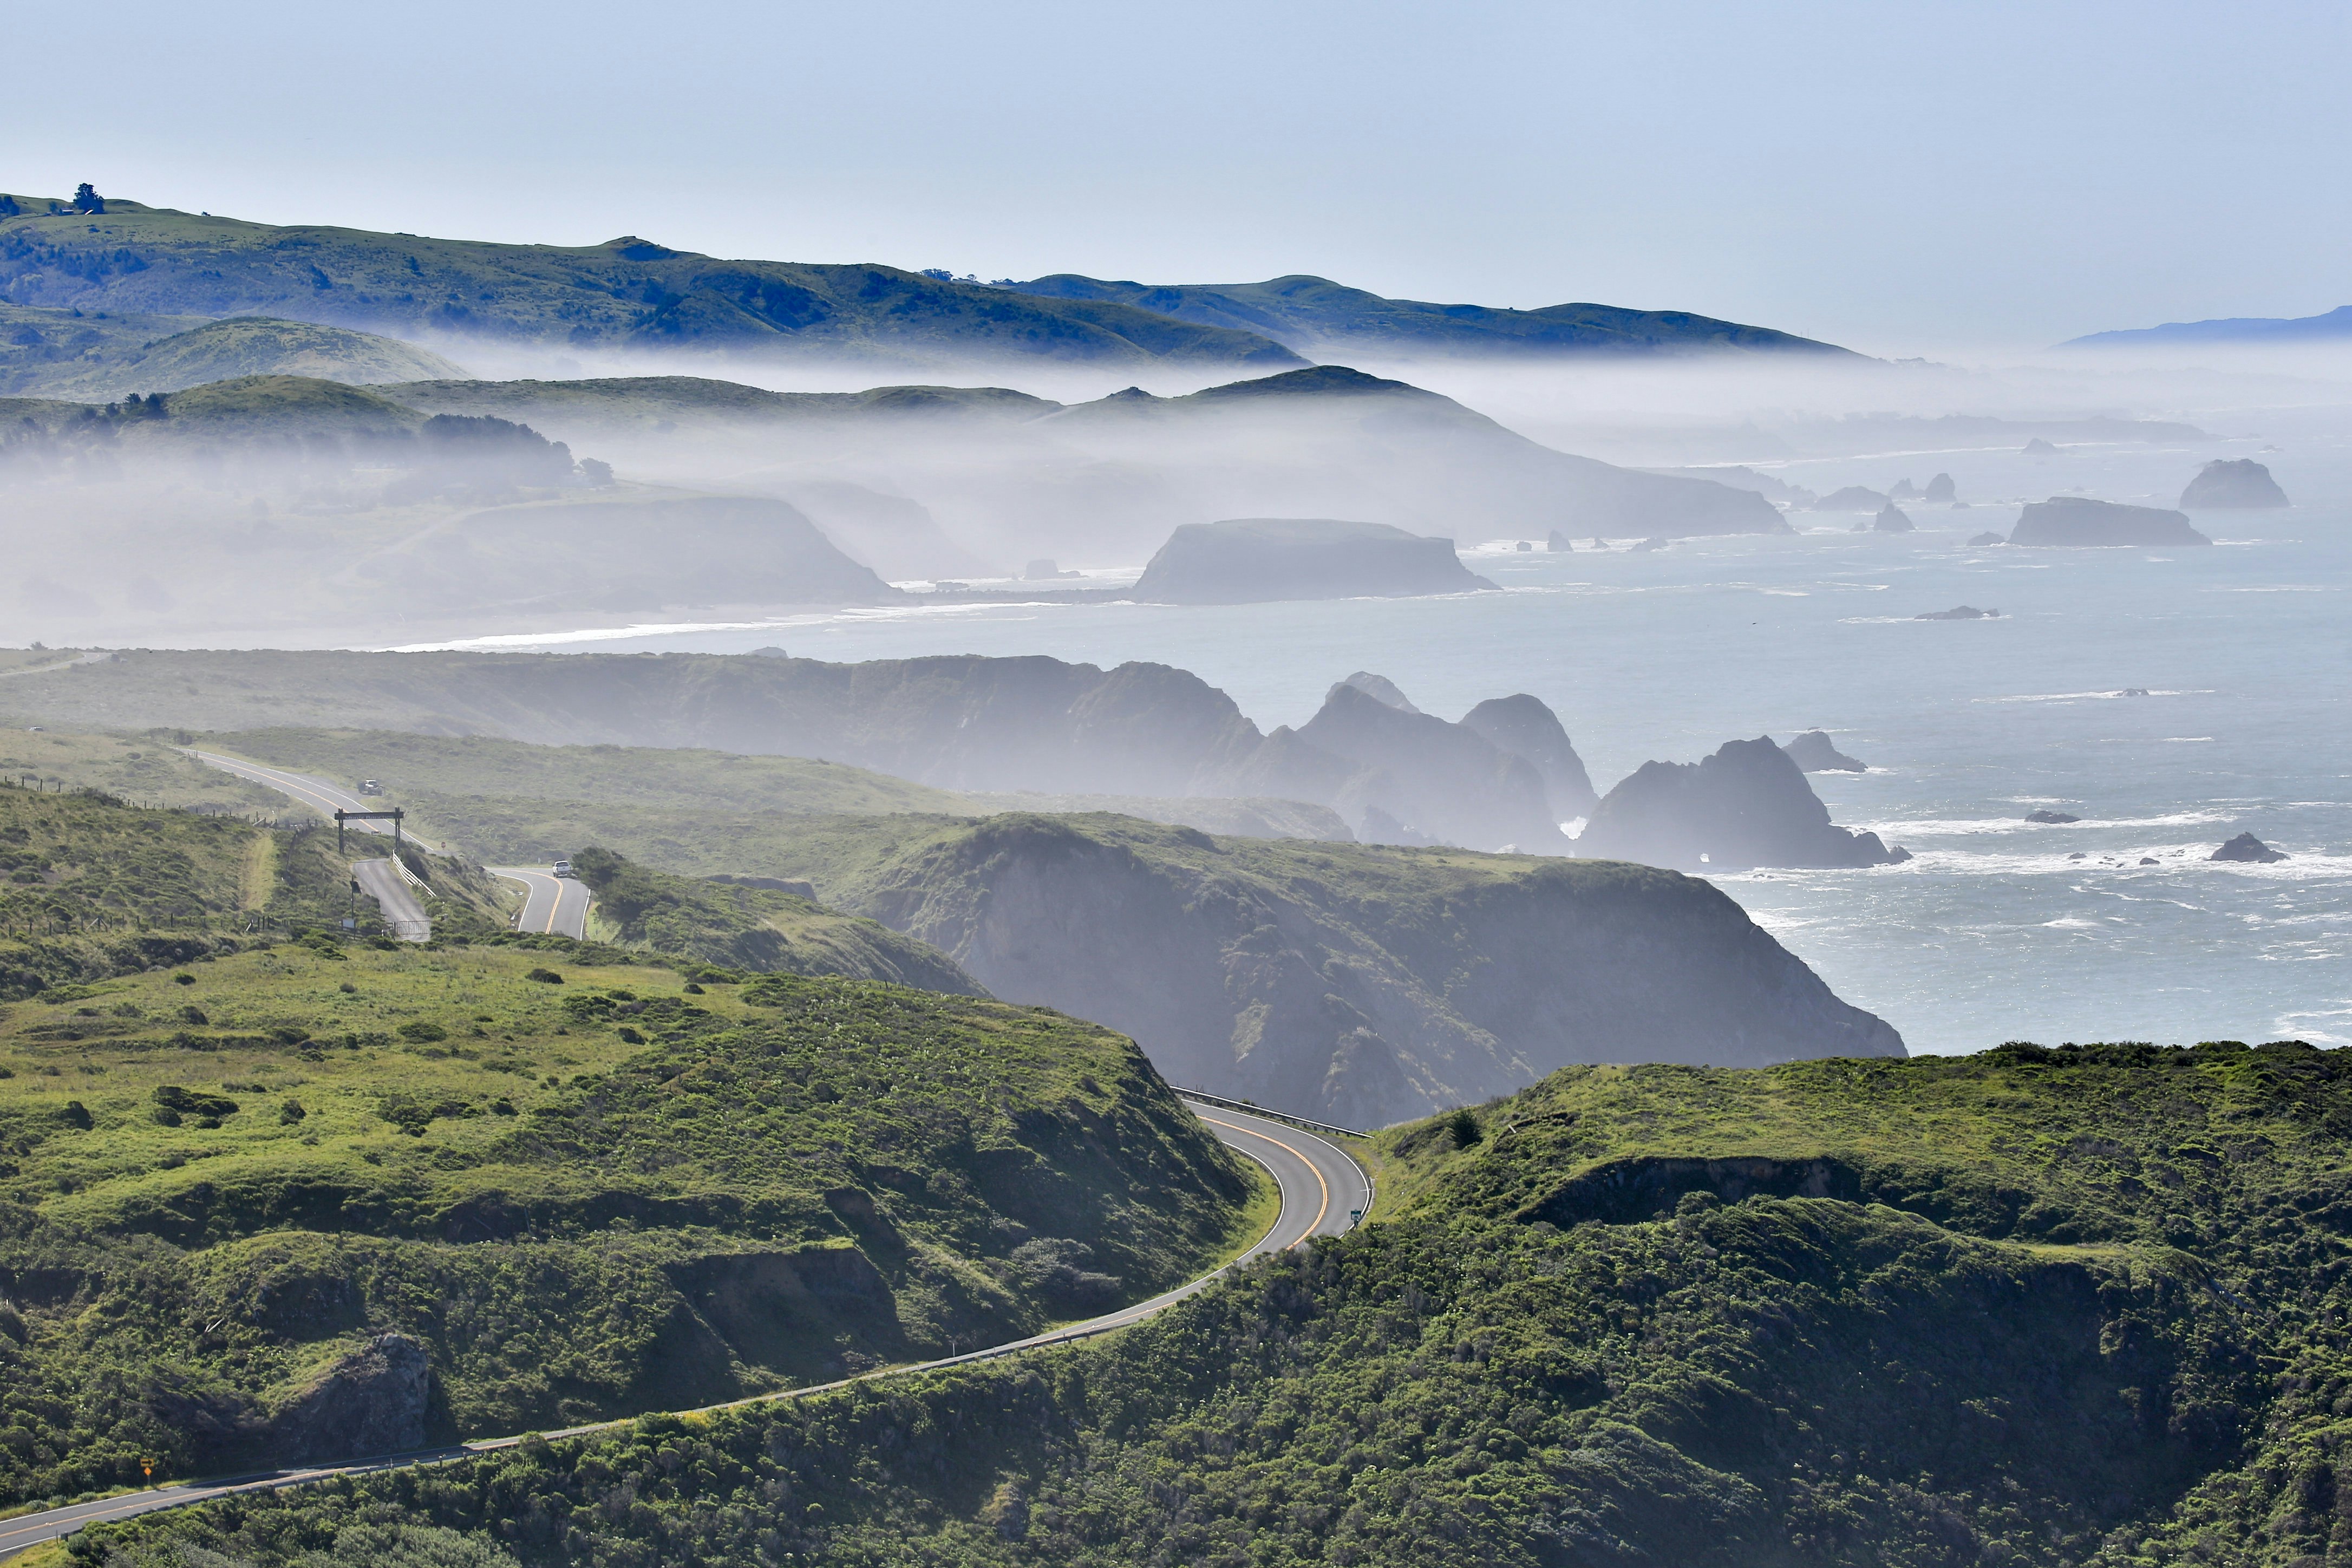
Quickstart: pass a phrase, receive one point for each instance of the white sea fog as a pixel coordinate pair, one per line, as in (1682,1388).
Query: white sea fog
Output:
(2169,699)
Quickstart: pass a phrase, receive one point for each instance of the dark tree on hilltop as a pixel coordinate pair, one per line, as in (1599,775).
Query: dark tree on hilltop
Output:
(87,200)
(8,207)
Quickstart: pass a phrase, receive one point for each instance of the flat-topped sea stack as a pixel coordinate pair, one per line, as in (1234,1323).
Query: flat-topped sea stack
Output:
(1256,560)
(2076,522)
(2242,484)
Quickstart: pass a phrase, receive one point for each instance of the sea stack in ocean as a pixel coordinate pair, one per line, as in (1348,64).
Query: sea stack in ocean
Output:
(1256,560)
(1941,488)
(1747,805)
(1891,520)
(2247,848)
(1815,753)
(2223,484)
(2080,522)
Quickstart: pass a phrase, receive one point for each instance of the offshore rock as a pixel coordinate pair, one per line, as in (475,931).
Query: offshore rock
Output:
(1813,752)
(2222,483)
(2247,848)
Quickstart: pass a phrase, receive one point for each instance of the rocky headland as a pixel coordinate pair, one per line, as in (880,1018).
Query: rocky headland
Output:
(1360,984)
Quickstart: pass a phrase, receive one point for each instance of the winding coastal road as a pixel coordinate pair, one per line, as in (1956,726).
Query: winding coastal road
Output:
(552,904)
(1323,1190)
(320,796)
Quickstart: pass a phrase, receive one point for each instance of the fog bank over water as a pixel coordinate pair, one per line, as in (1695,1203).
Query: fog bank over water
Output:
(1999,928)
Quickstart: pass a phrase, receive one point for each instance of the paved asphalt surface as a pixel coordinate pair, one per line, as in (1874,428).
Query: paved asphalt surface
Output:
(403,911)
(557,904)
(553,904)
(320,796)
(1319,1184)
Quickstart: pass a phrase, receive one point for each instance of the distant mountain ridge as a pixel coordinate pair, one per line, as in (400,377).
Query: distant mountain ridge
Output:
(626,293)
(2334,324)
(1316,317)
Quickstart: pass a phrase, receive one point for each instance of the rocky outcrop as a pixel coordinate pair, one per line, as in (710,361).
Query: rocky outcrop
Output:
(1747,805)
(2245,847)
(1959,613)
(1853,498)
(1903,490)
(1379,688)
(1443,784)
(1559,542)
(2038,447)
(1357,983)
(1256,560)
(1941,488)
(2049,817)
(1524,727)
(2223,484)
(1979,542)
(1814,753)
(370,1402)
(2080,522)
(1891,518)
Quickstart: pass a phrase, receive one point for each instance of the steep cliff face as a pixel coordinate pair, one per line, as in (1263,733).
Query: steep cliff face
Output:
(1748,805)
(370,1402)
(1357,983)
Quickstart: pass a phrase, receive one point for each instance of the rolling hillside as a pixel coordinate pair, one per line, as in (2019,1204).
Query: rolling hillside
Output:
(1324,319)
(625,294)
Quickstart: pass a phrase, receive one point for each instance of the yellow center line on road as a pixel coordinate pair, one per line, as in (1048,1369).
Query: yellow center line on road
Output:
(554,902)
(1313,1224)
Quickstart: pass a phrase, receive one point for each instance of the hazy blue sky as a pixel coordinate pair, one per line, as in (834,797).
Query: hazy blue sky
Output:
(1900,177)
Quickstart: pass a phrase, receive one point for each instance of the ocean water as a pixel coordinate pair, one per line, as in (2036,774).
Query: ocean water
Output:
(1999,929)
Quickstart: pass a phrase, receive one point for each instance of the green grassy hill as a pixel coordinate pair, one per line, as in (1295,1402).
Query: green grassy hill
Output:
(755,929)
(626,293)
(632,776)
(2082,1308)
(92,887)
(68,354)
(229,1194)
(1318,317)
(658,404)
